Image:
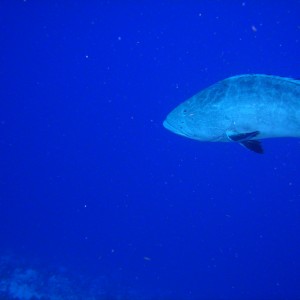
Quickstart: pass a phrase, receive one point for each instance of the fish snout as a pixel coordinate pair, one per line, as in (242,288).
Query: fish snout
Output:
(167,125)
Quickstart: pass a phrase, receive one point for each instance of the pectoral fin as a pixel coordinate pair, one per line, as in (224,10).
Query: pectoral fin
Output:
(253,145)
(245,139)
(239,137)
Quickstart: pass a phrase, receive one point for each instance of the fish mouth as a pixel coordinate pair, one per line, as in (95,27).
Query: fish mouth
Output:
(174,129)
(181,132)
(168,126)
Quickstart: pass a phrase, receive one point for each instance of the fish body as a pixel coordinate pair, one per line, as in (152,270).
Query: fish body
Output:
(243,109)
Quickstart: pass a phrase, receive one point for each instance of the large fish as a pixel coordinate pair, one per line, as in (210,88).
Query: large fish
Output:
(242,109)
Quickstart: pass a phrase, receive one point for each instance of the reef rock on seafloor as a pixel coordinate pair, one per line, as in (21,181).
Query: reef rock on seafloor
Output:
(20,281)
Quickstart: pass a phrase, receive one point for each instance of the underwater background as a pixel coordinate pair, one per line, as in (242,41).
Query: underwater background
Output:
(97,199)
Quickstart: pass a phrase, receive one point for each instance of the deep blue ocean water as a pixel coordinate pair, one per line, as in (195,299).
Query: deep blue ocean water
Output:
(97,199)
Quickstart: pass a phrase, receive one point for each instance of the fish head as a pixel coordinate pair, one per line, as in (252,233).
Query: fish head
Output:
(177,120)
(192,121)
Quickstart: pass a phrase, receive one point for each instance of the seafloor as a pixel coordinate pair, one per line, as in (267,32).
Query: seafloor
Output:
(21,280)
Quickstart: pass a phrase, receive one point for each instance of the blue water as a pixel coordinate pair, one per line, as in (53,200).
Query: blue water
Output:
(97,199)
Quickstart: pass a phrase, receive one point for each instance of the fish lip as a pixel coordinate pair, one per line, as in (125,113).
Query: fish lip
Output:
(170,127)
(167,125)
(174,129)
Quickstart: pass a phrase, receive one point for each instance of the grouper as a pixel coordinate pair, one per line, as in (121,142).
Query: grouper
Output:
(243,109)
